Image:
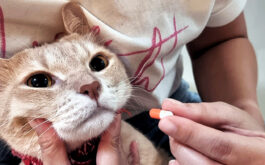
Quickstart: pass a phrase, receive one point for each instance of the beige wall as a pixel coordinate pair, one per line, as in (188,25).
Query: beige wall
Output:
(254,13)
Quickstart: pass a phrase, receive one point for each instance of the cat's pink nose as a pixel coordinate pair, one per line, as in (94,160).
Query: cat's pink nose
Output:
(92,90)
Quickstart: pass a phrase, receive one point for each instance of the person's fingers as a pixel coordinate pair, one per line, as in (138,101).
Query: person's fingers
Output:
(224,147)
(215,114)
(208,141)
(187,156)
(108,148)
(41,126)
(53,149)
(134,153)
(112,135)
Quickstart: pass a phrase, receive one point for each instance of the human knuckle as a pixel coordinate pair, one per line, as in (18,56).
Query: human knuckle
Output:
(46,146)
(201,111)
(221,104)
(49,143)
(116,142)
(221,149)
(174,147)
(187,133)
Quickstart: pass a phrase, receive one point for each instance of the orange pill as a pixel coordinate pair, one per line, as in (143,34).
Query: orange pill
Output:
(159,113)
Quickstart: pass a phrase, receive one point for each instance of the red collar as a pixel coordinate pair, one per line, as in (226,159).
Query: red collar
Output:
(86,154)
(27,160)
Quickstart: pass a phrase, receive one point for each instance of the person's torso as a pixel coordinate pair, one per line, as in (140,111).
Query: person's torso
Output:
(147,35)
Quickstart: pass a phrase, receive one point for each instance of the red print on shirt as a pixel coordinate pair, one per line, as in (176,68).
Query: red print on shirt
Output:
(151,54)
(2,34)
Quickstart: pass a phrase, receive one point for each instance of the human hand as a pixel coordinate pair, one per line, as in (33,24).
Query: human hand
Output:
(53,149)
(110,147)
(212,134)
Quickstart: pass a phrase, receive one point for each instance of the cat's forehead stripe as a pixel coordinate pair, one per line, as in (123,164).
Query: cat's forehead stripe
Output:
(66,53)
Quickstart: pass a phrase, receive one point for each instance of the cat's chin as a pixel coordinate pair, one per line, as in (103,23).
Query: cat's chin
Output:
(86,130)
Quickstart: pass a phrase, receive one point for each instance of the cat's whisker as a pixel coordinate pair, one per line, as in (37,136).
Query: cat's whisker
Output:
(46,121)
(33,118)
(4,123)
(135,87)
(34,135)
(132,87)
(130,79)
(45,131)
(29,145)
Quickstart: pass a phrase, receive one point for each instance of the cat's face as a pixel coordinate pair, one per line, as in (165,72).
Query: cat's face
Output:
(74,83)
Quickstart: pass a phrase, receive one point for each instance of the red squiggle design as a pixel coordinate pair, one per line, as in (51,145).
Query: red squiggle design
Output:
(2,33)
(148,60)
(95,30)
(107,43)
(152,54)
(35,44)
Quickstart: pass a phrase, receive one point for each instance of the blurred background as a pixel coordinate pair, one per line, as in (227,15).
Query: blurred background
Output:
(254,14)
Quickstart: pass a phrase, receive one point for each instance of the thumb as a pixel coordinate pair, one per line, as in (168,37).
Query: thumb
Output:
(53,150)
(112,135)
(134,153)
(109,149)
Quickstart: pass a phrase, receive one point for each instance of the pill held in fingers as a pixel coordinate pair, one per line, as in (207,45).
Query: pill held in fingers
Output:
(159,113)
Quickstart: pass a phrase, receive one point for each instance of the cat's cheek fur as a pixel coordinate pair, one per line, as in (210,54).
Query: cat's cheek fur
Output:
(114,97)
(89,129)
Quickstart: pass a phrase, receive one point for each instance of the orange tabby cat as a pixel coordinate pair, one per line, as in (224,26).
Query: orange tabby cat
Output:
(73,83)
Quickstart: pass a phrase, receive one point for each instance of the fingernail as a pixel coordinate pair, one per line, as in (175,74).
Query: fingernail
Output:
(171,162)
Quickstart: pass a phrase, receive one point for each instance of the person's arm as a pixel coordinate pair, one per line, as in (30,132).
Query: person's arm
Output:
(225,68)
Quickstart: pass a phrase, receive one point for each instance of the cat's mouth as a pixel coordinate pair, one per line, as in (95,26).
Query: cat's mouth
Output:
(86,154)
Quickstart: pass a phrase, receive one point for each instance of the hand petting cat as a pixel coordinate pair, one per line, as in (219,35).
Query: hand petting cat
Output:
(110,147)
(53,149)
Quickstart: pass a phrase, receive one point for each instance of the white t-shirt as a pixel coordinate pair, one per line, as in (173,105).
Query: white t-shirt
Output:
(147,34)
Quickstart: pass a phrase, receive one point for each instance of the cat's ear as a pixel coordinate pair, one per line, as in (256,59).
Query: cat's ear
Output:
(74,19)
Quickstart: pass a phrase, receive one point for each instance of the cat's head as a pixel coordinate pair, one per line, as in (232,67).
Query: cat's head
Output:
(74,83)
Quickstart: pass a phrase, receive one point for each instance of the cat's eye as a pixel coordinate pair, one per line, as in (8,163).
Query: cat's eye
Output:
(40,80)
(98,63)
